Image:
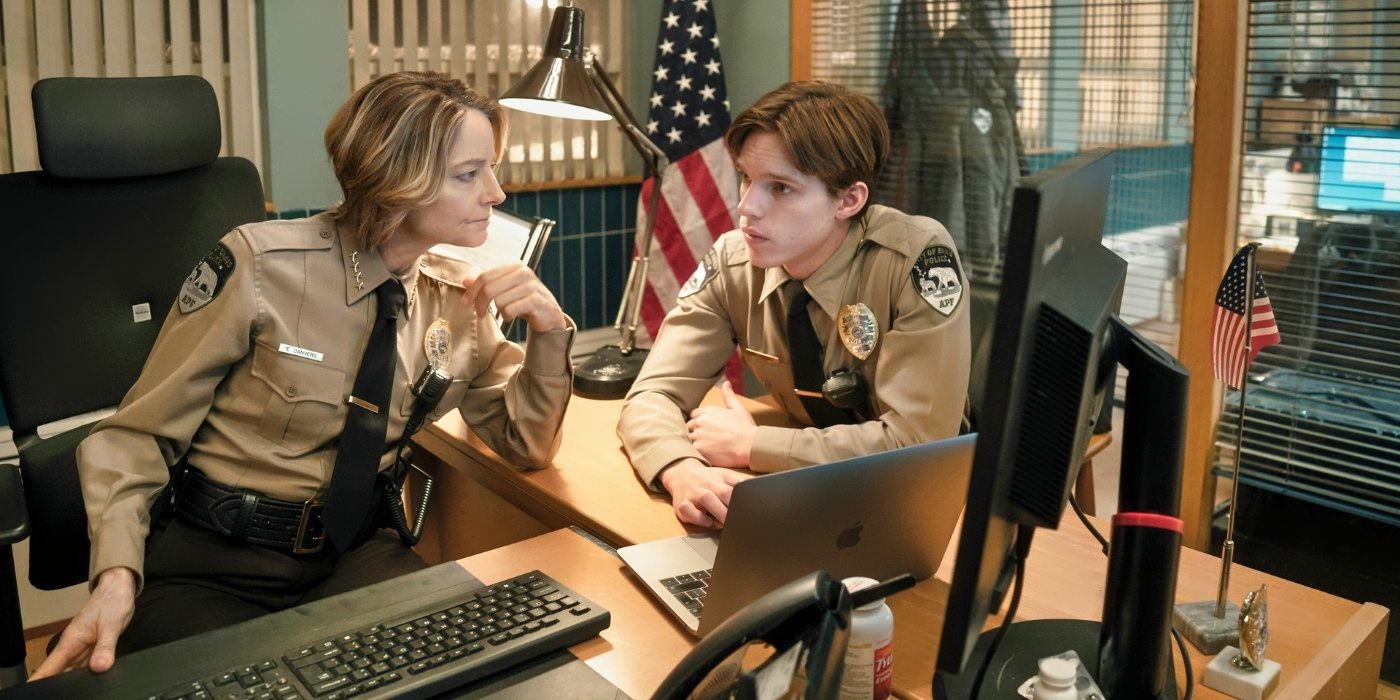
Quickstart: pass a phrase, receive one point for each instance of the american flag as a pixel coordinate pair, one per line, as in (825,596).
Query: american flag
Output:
(1227,340)
(688,114)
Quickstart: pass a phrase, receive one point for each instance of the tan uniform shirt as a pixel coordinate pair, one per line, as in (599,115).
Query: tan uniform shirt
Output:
(917,374)
(251,387)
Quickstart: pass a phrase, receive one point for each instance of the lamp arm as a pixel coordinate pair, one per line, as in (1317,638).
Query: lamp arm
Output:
(652,155)
(629,311)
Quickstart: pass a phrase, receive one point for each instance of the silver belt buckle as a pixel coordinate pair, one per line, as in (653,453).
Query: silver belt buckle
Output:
(311,537)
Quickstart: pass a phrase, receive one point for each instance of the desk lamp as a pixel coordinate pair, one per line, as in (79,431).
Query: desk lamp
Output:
(569,82)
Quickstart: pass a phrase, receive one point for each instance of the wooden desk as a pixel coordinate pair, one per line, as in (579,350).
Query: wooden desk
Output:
(591,484)
(1327,645)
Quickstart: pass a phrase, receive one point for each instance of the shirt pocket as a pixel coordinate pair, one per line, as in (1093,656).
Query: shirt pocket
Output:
(304,402)
(776,376)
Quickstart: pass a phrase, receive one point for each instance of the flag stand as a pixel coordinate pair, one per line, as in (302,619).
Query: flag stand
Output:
(1212,625)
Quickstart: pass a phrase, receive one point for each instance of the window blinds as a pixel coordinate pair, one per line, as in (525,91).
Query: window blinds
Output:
(1320,190)
(489,44)
(115,38)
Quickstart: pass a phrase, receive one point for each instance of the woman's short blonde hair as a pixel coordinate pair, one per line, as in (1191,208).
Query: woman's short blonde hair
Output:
(390,143)
(831,132)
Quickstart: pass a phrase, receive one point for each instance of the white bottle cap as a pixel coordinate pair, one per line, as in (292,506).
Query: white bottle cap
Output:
(860,583)
(1061,672)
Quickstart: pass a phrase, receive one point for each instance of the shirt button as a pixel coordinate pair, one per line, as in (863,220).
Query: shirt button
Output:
(292,390)
(325,234)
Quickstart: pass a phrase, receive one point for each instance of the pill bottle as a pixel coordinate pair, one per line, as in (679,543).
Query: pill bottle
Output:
(1056,680)
(869,669)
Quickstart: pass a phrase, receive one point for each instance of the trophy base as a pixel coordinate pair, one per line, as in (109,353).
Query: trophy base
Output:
(1198,623)
(1226,677)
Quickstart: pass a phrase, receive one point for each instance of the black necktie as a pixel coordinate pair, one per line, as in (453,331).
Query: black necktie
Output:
(366,423)
(806,353)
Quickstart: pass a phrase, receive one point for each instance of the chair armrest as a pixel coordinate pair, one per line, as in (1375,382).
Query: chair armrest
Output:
(14,516)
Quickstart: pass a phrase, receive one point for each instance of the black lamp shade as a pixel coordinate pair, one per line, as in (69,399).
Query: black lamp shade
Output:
(559,85)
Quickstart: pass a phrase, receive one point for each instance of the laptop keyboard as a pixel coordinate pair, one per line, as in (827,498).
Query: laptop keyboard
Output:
(690,589)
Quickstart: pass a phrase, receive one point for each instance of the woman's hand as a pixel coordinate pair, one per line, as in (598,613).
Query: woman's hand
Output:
(91,636)
(518,293)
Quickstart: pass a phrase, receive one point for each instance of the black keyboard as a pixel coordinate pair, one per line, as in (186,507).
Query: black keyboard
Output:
(420,653)
(690,589)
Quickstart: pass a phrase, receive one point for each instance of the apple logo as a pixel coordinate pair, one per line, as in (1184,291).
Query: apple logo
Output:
(849,537)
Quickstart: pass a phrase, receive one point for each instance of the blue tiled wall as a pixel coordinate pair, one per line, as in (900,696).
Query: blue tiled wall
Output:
(585,262)
(1150,186)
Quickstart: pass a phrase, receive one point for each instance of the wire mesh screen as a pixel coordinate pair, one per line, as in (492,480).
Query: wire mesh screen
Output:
(980,93)
(1320,191)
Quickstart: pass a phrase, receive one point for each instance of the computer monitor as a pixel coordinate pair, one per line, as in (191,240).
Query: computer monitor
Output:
(1056,348)
(1360,170)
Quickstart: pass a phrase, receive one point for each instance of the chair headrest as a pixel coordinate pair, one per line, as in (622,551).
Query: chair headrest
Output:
(94,128)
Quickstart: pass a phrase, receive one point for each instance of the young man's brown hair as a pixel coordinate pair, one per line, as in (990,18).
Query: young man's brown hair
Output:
(832,133)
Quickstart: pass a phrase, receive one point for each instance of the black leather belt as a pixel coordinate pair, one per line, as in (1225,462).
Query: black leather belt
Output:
(249,516)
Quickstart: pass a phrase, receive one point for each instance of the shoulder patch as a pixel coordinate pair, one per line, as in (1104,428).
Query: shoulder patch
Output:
(704,272)
(207,279)
(937,278)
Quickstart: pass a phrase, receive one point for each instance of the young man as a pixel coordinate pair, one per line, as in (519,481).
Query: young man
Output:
(852,315)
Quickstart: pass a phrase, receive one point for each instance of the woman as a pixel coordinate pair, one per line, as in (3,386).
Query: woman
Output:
(280,384)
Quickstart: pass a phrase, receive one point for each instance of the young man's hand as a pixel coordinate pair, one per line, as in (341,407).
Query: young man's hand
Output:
(700,494)
(723,435)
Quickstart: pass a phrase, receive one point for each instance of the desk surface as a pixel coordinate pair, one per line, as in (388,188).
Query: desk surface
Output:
(1327,645)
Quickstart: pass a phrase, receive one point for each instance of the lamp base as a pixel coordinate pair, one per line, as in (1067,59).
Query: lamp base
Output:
(608,373)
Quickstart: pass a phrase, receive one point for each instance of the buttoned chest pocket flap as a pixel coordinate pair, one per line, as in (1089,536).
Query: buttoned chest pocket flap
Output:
(775,375)
(450,400)
(304,402)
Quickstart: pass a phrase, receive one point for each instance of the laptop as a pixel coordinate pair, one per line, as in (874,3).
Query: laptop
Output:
(879,515)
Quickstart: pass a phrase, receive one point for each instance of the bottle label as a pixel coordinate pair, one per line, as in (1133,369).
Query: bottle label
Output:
(884,670)
(869,671)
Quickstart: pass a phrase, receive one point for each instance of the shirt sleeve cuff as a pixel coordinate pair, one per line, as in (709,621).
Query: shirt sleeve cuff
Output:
(547,353)
(771,447)
(663,454)
(113,549)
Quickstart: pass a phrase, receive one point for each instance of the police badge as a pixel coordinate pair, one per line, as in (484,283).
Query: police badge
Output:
(207,279)
(860,333)
(937,278)
(437,343)
(704,272)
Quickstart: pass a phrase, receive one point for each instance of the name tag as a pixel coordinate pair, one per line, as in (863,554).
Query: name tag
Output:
(301,352)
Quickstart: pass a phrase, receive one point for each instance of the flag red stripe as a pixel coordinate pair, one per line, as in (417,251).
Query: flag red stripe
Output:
(673,244)
(701,183)
(652,310)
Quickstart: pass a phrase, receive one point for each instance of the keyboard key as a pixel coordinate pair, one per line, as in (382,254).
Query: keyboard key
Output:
(330,685)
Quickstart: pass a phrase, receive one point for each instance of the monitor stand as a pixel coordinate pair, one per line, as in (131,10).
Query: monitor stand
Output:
(1018,657)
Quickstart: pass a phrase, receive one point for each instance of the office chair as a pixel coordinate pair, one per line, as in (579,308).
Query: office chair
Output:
(131,195)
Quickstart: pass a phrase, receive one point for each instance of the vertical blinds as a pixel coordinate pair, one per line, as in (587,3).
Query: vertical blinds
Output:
(116,38)
(489,44)
(1320,191)
(1069,75)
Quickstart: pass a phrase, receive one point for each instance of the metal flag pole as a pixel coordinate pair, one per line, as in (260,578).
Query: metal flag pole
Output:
(1227,554)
